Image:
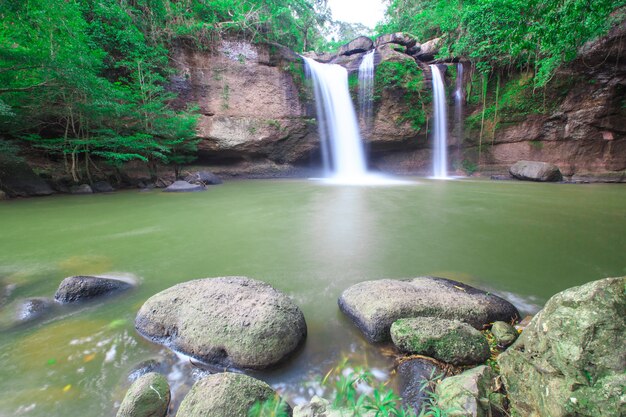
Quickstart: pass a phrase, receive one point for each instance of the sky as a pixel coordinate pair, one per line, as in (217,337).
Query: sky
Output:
(367,12)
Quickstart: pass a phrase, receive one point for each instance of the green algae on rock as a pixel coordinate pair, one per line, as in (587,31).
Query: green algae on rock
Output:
(148,396)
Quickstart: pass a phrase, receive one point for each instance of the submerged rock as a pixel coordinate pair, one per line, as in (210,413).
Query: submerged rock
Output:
(571,359)
(374,305)
(413,380)
(535,171)
(472,393)
(225,394)
(83,288)
(81,189)
(504,333)
(183,186)
(203,178)
(102,187)
(226,321)
(450,341)
(24,311)
(148,396)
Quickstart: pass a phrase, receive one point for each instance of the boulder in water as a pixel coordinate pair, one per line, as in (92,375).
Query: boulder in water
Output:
(148,396)
(374,305)
(535,171)
(82,288)
(227,321)
(3,195)
(19,180)
(226,394)
(571,359)
(24,311)
(450,341)
(102,187)
(183,186)
(81,189)
(203,178)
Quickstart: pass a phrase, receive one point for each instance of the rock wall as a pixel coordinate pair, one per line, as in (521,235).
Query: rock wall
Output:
(248,100)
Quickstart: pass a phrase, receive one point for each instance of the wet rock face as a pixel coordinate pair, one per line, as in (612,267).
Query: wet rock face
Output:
(84,288)
(148,396)
(571,359)
(226,321)
(450,341)
(413,376)
(356,46)
(203,178)
(536,171)
(24,311)
(374,305)
(225,394)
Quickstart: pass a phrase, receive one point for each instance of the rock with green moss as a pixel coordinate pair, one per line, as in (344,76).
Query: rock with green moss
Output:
(472,393)
(571,359)
(148,396)
(374,305)
(449,341)
(504,333)
(225,394)
(227,321)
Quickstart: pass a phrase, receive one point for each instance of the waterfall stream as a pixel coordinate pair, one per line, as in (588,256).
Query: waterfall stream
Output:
(366,88)
(440,131)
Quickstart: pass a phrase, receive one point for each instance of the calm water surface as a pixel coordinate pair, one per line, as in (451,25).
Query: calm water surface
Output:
(524,241)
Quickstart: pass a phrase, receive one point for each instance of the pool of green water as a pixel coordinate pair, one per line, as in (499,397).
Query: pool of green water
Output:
(524,241)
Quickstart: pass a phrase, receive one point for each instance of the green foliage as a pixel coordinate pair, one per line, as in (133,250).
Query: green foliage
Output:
(533,34)
(405,76)
(272,407)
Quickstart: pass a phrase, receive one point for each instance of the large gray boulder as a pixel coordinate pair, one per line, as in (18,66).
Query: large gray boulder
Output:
(399,38)
(374,305)
(102,187)
(355,46)
(82,288)
(450,341)
(19,180)
(225,394)
(203,178)
(227,321)
(148,396)
(183,186)
(571,359)
(429,50)
(472,393)
(535,171)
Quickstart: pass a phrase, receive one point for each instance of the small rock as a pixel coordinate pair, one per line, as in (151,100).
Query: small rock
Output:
(355,46)
(450,341)
(102,187)
(374,305)
(82,288)
(148,396)
(81,189)
(183,186)
(469,394)
(3,195)
(225,394)
(504,333)
(203,178)
(413,376)
(226,321)
(536,171)
(24,311)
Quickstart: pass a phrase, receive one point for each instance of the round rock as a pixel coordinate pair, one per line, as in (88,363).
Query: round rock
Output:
(504,333)
(374,305)
(148,396)
(183,186)
(535,171)
(225,394)
(450,341)
(83,288)
(226,321)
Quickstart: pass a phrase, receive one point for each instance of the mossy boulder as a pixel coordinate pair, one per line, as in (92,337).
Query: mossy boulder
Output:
(472,393)
(148,396)
(504,333)
(450,341)
(571,359)
(374,305)
(225,394)
(226,321)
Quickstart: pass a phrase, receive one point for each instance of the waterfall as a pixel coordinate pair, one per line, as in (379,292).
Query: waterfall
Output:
(342,150)
(440,131)
(458,104)
(366,88)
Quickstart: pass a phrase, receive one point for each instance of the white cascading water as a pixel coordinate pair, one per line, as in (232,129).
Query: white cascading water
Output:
(342,149)
(440,131)
(366,88)
(458,103)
